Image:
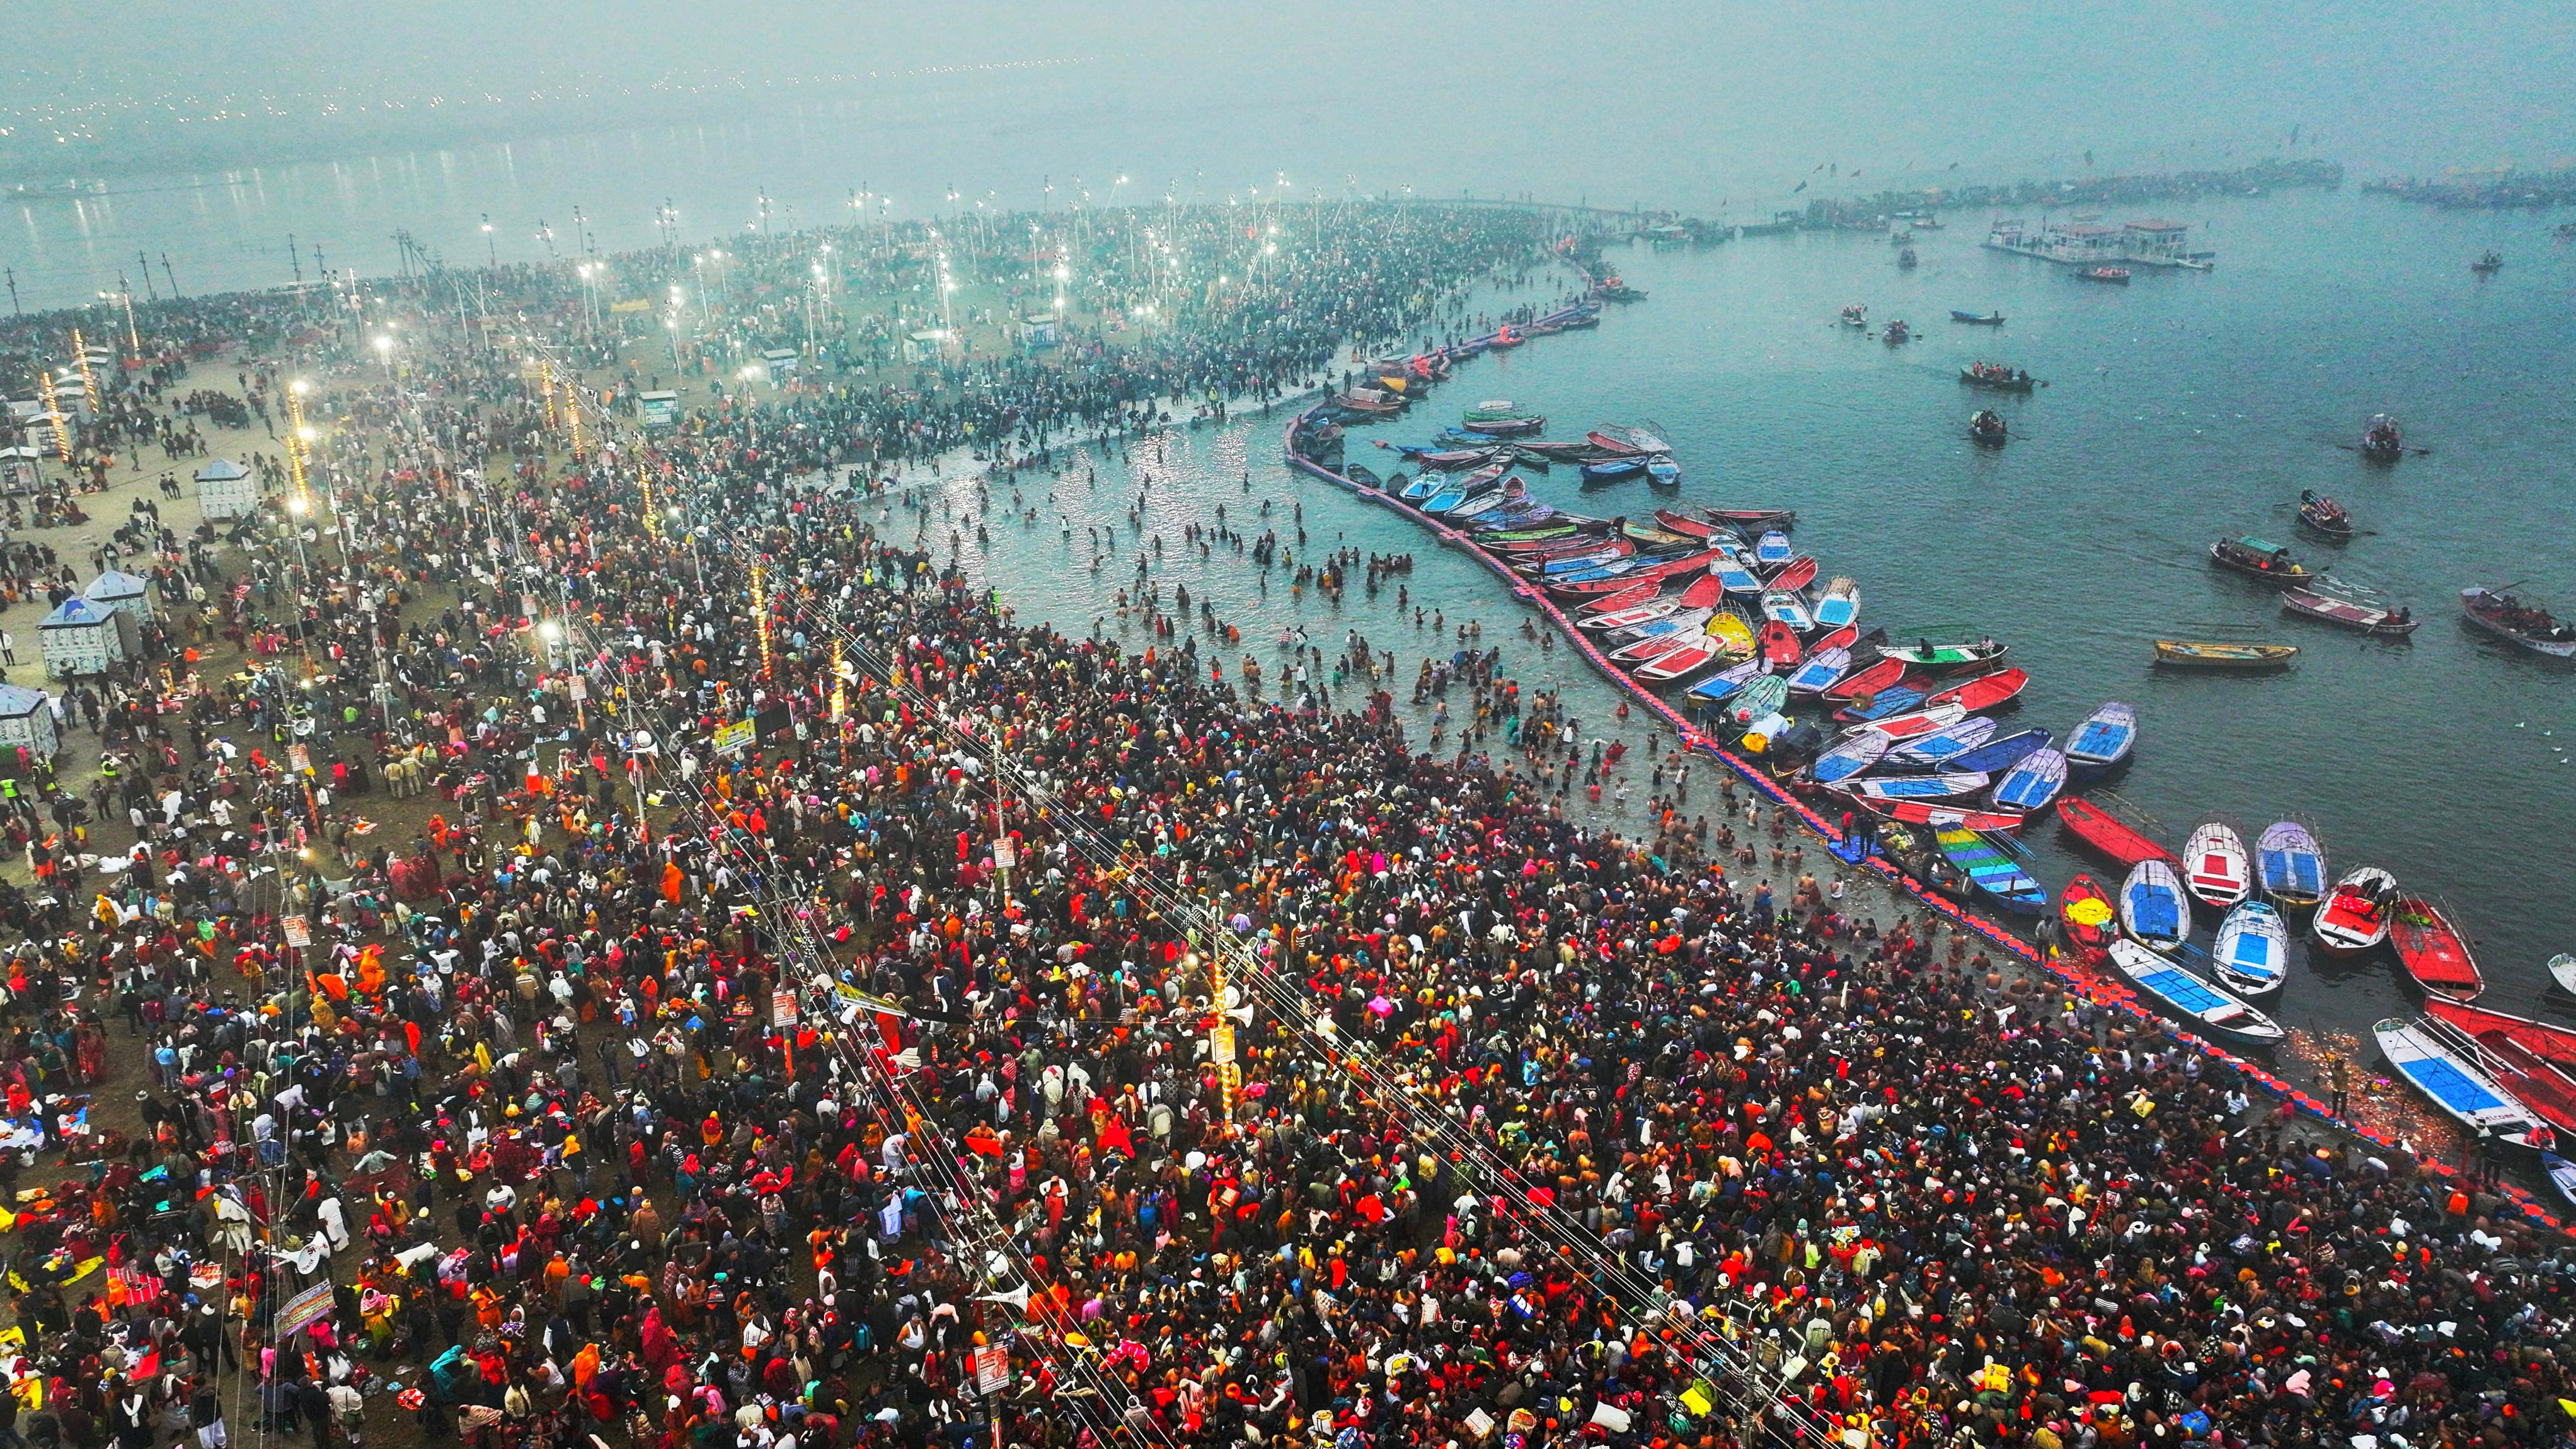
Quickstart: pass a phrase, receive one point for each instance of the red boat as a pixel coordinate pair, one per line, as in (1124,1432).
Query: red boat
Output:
(1800,572)
(2433,951)
(1628,598)
(1684,524)
(1669,568)
(1842,638)
(2106,833)
(1612,446)
(1985,691)
(1944,817)
(1780,644)
(1870,681)
(2533,1060)
(1704,592)
(2091,923)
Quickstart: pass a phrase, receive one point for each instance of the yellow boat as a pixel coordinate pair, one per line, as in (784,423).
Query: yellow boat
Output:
(2223,654)
(1734,637)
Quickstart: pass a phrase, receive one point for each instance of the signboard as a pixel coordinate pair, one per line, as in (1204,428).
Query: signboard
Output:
(774,721)
(782,1008)
(1221,1043)
(659,410)
(734,738)
(299,932)
(304,1310)
(298,758)
(580,689)
(992,1369)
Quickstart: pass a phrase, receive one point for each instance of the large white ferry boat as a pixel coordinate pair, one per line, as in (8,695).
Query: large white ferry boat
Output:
(2149,243)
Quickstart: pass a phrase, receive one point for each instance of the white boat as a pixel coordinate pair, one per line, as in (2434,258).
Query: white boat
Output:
(2444,1065)
(1920,722)
(2562,1174)
(2354,916)
(1719,687)
(1685,621)
(1822,669)
(1928,750)
(2562,969)
(1696,653)
(1920,787)
(1852,757)
(1645,613)
(1840,606)
(2215,866)
(2152,906)
(2252,956)
(2189,997)
(1789,607)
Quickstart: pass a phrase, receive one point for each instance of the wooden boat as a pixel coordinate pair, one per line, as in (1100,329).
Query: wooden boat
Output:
(1492,409)
(1921,722)
(2087,921)
(2433,951)
(1548,566)
(2510,618)
(1737,575)
(1986,691)
(2382,440)
(1843,638)
(1763,695)
(1941,815)
(1703,592)
(1365,477)
(1684,524)
(1994,872)
(1699,653)
(2562,969)
(1725,685)
(2215,867)
(1906,260)
(2224,654)
(2336,605)
(2534,1060)
(2152,908)
(1796,574)
(1615,470)
(1628,598)
(1733,633)
(1771,551)
(1506,427)
(1995,377)
(2107,834)
(2289,866)
(2531,1059)
(2259,558)
(1946,646)
(1421,490)
(1974,319)
(2033,783)
(1869,681)
(1851,756)
(1936,747)
(1644,572)
(1855,315)
(2442,1065)
(1755,519)
(1787,606)
(2324,516)
(1646,535)
(1987,427)
(2488,265)
(2355,915)
(1615,447)
(1896,699)
(1645,613)
(1477,507)
(2115,276)
(1680,621)
(2252,957)
(1840,605)
(1779,643)
(1653,646)
(2002,752)
(1663,472)
(2102,740)
(1820,671)
(1918,787)
(2188,998)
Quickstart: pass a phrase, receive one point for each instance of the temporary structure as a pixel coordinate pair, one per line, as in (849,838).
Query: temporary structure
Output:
(26,722)
(226,489)
(126,593)
(80,638)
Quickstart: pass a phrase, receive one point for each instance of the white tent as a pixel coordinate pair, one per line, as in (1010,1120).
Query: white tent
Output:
(82,638)
(123,592)
(225,489)
(27,719)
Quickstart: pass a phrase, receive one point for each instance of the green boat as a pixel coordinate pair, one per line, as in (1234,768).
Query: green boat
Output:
(1532,535)
(1766,695)
(1943,646)
(1494,411)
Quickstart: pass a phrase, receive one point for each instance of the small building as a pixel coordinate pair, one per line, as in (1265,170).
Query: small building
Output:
(2154,241)
(26,722)
(659,410)
(226,489)
(124,592)
(784,363)
(21,469)
(80,637)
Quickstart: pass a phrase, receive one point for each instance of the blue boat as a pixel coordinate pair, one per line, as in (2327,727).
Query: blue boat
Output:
(2192,999)
(1772,551)
(1894,700)
(2033,784)
(2151,906)
(2443,1065)
(1733,575)
(1421,489)
(1726,685)
(2290,866)
(1942,745)
(1611,570)
(2103,741)
(1613,470)
(1444,500)
(1663,472)
(2252,956)
(1581,562)
(1852,757)
(1820,671)
(2001,753)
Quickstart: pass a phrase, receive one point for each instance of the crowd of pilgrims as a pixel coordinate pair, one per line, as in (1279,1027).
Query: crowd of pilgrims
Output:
(781,1039)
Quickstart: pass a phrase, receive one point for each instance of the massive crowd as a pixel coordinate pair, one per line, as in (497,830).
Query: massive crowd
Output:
(899,1025)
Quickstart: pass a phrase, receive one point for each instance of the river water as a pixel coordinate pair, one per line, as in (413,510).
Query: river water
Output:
(2180,407)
